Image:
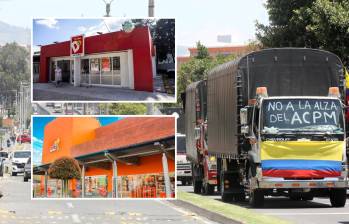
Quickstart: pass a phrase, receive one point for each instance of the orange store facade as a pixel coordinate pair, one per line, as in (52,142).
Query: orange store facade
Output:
(131,158)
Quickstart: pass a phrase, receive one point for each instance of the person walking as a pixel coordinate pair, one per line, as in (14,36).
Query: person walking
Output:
(58,75)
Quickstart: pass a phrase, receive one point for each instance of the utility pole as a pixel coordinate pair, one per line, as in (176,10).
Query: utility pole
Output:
(107,7)
(151,6)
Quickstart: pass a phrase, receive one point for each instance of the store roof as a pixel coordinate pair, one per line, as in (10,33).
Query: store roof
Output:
(126,133)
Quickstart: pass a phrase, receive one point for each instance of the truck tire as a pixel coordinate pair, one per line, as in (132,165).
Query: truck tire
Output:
(13,174)
(208,189)
(256,198)
(225,196)
(338,197)
(197,184)
(307,197)
(240,197)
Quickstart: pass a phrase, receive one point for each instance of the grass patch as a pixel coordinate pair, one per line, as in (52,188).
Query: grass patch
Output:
(228,210)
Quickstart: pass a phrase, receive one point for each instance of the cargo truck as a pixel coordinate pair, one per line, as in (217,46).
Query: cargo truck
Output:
(203,165)
(274,121)
(183,165)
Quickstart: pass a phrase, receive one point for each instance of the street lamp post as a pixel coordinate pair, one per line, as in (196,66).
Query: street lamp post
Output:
(107,7)
(151,6)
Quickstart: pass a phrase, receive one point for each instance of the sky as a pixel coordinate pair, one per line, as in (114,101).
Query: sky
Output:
(195,19)
(48,30)
(39,124)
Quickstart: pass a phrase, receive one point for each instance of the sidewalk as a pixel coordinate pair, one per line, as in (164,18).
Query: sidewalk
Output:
(221,212)
(66,92)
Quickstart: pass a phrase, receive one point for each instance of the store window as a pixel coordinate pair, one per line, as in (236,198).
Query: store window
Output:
(106,75)
(96,186)
(85,71)
(116,71)
(54,188)
(95,71)
(144,186)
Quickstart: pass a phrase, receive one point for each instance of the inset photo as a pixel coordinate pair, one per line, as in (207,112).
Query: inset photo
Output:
(103,157)
(104,59)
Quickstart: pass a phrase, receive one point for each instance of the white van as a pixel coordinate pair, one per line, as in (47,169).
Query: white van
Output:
(17,161)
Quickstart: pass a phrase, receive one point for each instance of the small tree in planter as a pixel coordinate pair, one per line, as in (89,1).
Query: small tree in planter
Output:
(65,168)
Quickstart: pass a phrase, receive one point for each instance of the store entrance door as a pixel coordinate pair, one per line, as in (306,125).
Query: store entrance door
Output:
(65,67)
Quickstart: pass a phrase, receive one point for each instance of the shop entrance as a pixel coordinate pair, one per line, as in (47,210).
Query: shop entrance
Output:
(66,66)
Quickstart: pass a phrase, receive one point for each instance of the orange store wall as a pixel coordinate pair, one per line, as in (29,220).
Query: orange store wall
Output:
(70,132)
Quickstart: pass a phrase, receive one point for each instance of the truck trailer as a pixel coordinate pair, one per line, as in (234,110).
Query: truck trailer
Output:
(274,122)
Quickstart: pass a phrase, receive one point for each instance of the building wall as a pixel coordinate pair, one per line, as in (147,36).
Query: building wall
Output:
(69,131)
(139,40)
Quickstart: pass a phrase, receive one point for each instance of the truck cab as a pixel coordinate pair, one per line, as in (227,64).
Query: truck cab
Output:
(298,146)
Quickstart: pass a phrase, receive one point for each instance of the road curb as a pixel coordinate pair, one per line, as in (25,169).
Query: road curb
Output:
(204,212)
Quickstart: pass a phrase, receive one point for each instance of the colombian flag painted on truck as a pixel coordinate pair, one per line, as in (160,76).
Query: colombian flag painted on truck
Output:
(302,159)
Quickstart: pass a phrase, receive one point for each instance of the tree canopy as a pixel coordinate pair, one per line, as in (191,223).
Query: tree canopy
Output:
(322,24)
(127,108)
(163,34)
(202,51)
(14,68)
(65,168)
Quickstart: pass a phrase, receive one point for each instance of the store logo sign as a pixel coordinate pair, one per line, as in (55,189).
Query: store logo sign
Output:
(77,45)
(55,145)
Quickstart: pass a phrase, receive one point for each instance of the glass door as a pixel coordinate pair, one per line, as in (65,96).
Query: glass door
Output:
(106,75)
(116,71)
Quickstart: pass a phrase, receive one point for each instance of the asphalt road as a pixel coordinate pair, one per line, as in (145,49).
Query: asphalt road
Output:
(16,207)
(318,211)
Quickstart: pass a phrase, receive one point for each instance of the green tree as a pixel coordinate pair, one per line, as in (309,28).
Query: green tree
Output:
(202,51)
(320,24)
(164,38)
(197,69)
(127,108)
(14,68)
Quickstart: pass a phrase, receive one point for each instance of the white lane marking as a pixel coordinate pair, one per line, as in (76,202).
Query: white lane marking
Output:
(191,214)
(76,218)
(70,205)
(310,213)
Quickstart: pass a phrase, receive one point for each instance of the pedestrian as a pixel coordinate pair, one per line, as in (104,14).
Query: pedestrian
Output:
(58,75)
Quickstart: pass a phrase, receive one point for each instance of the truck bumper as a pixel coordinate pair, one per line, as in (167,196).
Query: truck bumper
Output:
(324,183)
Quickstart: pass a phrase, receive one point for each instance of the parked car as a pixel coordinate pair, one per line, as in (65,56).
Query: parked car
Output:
(57,108)
(17,160)
(27,170)
(24,138)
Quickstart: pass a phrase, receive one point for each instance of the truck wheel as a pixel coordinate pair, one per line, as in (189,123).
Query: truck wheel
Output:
(208,189)
(184,183)
(308,197)
(338,197)
(197,186)
(225,197)
(13,174)
(240,197)
(295,197)
(257,198)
